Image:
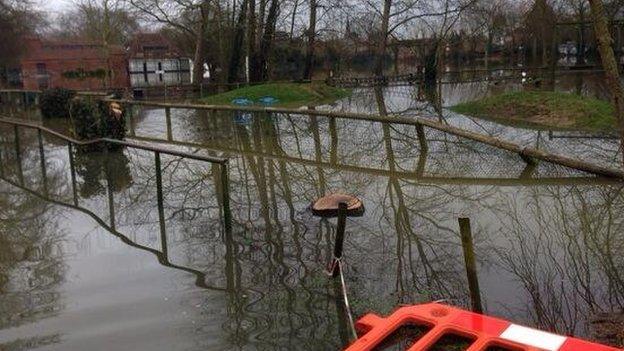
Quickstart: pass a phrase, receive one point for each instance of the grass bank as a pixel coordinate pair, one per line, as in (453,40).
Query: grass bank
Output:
(288,94)
(544,109)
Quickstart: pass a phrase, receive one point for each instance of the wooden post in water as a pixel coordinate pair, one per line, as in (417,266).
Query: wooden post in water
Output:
(471,265)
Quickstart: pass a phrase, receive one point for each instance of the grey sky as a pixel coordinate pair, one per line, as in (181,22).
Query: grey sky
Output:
(54,5)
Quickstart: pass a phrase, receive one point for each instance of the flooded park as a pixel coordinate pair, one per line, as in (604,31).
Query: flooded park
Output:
(130,246)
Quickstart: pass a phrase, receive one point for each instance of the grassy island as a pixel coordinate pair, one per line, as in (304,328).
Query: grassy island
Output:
(288,94)
(544,109)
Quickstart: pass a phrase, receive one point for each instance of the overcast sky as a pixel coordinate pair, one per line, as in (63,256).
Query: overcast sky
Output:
(54,5)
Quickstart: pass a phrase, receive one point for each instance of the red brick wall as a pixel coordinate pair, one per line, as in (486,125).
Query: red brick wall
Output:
(58,61)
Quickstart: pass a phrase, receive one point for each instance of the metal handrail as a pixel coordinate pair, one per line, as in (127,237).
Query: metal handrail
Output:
(212,159)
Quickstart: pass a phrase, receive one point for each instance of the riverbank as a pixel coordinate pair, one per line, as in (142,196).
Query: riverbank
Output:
(286,94)
(547,109)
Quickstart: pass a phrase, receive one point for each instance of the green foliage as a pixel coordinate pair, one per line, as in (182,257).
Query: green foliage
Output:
(97,120)
(288,94)
(544,108)
(81,74)
(55,102)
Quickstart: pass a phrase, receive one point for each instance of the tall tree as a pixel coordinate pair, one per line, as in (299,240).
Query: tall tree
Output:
(382,41)
(609,63)
(98,20)
(189,16)
(18,19)
(236,49)
(266,43)
(311,34)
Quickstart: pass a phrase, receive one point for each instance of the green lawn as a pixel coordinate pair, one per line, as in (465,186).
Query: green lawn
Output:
(544,108)
(288,94)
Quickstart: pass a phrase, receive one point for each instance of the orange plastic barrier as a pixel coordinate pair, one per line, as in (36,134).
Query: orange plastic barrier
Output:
(486,332)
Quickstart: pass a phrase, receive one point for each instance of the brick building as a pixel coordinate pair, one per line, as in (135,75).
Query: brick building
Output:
(73,64)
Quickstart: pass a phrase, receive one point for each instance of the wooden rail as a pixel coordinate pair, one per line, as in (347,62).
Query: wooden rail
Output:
(527,153)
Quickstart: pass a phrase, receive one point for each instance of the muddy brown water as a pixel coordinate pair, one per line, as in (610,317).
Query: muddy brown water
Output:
(547,240)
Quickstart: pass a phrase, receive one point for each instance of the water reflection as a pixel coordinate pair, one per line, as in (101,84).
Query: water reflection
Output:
(546,239)
(32,269)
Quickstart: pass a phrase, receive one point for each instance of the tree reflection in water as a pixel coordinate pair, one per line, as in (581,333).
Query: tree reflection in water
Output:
(31,251)
(551,240)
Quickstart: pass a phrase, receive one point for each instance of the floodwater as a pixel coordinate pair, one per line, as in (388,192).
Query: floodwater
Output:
(89,265)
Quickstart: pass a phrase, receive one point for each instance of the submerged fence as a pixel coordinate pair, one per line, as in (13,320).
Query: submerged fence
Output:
(529,154)
(157,151)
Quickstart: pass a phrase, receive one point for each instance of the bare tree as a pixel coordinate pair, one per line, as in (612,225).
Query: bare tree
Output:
(609,63)
(190,17)
(17,20)
(311,34)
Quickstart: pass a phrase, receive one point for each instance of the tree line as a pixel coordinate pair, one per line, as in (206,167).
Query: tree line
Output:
(237,40)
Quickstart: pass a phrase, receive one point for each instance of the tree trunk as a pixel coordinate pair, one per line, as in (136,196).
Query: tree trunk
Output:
(581,35)
(309,59)
(261,16)
(383,39)
(237,44)
(266,42)
(292,20)
(609,63)
(198,59)
(254,70)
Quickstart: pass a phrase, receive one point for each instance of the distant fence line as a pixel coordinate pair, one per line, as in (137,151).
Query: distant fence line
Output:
(417,77)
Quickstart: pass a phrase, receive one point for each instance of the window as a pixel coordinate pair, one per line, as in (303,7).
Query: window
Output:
(41,68)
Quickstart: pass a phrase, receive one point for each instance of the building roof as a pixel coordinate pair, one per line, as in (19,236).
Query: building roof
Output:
(152,45)
(67,49)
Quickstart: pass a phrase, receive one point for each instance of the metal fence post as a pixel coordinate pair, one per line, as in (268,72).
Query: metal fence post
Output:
(72,168)
(340,230)
(161,208)
(43,163)
(109,189)
(168,121)
(225,195)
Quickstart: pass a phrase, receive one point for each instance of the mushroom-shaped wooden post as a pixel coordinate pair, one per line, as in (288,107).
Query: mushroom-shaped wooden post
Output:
(341,206)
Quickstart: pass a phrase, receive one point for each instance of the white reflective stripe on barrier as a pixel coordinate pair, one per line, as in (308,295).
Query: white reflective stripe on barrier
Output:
(533,337)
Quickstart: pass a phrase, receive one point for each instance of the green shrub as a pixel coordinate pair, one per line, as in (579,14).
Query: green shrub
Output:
(55,103)
(97,120)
